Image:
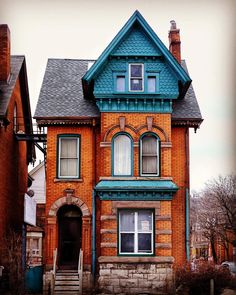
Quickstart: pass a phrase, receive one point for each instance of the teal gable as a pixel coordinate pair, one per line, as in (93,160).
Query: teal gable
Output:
(136,73)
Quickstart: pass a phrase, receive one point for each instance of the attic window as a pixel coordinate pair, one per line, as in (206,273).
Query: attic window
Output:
(136,77)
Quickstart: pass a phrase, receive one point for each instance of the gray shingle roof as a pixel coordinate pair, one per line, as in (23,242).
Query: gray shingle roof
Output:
(6,89)
(61,94)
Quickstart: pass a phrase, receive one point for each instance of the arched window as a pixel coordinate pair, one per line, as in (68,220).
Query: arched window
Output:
(122,155)
(149,155)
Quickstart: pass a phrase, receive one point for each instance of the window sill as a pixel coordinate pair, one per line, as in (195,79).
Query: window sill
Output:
(137,259)
(68,180)
(134,178)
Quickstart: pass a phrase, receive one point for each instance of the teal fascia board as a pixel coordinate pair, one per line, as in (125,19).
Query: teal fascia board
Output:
(149,190)
(97,66)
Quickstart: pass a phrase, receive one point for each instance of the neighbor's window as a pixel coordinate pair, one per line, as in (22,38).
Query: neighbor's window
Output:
(15,125)
(136,77)
(136,232)
(68,158)
(122,155)
(149,155)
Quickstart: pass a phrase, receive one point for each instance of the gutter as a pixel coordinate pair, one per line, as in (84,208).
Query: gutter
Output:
(94,235)
(187,224)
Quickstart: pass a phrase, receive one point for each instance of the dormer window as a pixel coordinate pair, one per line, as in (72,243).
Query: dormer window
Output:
(136,77)
(120,83)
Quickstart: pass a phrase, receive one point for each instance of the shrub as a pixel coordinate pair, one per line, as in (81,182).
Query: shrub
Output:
(198,281)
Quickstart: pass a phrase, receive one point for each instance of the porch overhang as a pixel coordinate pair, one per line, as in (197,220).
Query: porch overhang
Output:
(145,190)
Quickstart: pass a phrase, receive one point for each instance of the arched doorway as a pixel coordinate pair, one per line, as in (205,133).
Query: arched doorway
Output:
(69,236)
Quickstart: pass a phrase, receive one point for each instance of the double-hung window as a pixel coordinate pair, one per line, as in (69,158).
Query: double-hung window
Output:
(122,155)
(136,231)
(149,155)
(136,77)
(68,156)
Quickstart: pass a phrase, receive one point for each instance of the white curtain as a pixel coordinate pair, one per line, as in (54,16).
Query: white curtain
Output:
(69,157)
(122,155)
(149,154)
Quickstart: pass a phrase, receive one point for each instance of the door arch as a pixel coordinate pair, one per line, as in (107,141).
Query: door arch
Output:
(69,236)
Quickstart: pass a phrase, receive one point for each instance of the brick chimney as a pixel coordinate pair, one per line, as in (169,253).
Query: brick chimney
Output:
(174,41)
(4,53)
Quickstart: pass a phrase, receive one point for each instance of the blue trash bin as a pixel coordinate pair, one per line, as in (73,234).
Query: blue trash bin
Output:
(34,279)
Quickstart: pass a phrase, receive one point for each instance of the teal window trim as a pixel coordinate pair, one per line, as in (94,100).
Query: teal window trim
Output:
(132,154)
(158,174)
(157,84)
(63,136)
(140,78)
(153,233)
(145,75)
(117,74)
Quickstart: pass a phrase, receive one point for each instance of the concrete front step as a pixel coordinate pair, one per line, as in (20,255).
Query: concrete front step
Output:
(66,288)
(67,283)
(66,278)
(67,293)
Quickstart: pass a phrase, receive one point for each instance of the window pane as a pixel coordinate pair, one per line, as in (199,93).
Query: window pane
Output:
(149,145)
(126,220)
(68,148)
(136,71)
(151,84)
(145,243)
(149,165)
(120,83)
(136,84)
(145,220)
(68,167)
(122,155)
(127,243)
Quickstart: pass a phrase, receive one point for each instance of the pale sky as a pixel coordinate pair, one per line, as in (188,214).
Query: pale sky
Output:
(42,29)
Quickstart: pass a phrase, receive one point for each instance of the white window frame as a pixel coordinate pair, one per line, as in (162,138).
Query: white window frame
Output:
(158,157)
(78,156)
(136,232)
(139,78)
(114,172)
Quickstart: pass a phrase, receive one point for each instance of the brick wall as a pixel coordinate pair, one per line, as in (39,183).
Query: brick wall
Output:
(13,172)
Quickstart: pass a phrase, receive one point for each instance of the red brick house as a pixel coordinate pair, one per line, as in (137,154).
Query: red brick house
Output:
(117,177)
(15,116)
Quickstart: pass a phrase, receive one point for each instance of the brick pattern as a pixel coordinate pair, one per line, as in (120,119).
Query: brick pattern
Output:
(13,173)
(4,53)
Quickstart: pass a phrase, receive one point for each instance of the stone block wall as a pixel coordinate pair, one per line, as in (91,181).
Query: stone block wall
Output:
(134,278)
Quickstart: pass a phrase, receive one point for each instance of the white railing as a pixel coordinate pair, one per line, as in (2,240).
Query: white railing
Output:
(80,271)
(53,277)
(54,262)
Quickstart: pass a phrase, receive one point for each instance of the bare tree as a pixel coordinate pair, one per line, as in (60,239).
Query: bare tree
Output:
(215,210)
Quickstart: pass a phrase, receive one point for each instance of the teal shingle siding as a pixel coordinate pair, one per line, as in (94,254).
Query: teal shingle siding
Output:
(104,83)
(136,43)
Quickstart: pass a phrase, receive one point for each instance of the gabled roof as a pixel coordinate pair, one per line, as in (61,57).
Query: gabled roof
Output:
(18,71)
(136,18)
(61,94)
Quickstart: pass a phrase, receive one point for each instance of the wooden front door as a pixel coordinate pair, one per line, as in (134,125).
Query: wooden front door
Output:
(70,222)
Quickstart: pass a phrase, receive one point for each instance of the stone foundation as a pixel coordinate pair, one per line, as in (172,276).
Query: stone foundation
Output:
(135,277)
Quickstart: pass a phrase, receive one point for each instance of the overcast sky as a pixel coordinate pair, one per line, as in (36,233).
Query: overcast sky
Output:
(42,29)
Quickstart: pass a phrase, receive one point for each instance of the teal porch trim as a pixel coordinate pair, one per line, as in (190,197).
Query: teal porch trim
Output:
(124,190)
